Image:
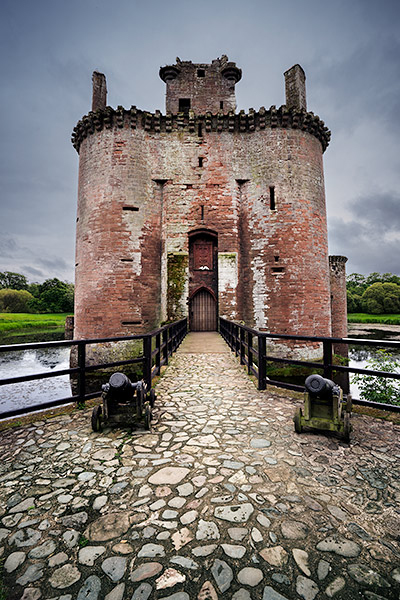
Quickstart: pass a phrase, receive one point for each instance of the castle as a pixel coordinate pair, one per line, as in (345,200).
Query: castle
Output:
(204,211)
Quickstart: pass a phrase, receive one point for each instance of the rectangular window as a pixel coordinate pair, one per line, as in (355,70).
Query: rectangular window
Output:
(202,212)
(184,105)
(272,203)
(201,73)
(221,104)
(132,208)
(200,161)
(200,130)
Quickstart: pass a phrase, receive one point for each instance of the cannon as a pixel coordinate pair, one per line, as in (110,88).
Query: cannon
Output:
(124,403)
(324,408)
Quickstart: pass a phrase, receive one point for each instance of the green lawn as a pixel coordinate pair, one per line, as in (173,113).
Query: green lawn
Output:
(365,318)
(10,322)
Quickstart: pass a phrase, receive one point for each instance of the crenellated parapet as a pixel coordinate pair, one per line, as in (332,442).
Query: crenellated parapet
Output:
(282,117)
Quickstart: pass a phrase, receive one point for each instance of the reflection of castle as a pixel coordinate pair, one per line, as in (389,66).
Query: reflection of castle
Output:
(203,211)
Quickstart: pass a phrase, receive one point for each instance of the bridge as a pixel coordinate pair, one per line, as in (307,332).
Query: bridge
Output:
(222,499)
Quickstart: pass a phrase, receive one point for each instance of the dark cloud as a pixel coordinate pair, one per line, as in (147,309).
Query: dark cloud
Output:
(371,237)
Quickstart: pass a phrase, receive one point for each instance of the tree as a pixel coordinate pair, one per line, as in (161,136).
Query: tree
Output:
(381,298)
(15,301)
(55,296)
(13,281)
(353,302)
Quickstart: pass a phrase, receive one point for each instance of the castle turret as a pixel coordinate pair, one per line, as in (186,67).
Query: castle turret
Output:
(201,87)
(99,91)
(295,88)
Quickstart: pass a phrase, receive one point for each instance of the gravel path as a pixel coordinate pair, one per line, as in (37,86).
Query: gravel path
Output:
(221,500)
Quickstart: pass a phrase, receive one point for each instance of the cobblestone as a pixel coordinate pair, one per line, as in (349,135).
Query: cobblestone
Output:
(221,500)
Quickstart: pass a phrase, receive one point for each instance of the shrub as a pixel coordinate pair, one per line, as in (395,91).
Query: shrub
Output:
(15,301)
(380,389)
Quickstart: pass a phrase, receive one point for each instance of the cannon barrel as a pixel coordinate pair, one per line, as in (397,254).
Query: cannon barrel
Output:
(316,385)
(120,388)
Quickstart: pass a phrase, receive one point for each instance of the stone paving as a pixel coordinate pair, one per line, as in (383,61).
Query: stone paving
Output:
(221,500)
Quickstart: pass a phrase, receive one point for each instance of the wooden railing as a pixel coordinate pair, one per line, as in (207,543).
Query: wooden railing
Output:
(250,346)
(158,346)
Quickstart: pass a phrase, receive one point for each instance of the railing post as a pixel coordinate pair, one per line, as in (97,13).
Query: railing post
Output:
(261,363)
(82,371)
(147,360)
(327,345)
(242,347)
(165,344)
(237,340)
(158,355)
(250,350)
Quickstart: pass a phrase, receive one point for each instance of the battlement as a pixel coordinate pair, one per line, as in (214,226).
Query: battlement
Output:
(283,117)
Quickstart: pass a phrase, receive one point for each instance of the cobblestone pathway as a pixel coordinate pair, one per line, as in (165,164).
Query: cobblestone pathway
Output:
(221,500)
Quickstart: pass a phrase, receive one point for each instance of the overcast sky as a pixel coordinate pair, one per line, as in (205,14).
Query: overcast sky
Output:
(350,51)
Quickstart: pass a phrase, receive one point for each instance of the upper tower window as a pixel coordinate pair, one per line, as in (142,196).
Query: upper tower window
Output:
(201,73)
(184,105)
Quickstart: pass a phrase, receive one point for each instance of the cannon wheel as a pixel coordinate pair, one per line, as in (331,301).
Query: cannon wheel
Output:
(152,397)
(297,420)
(147,417)
(96,418)
(349,403)
(347,427)
(140,398)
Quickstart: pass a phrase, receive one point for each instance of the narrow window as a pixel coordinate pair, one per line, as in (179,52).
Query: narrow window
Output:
(131,322)
(184,105)
(200,130)
(272,204)
(276,258)
(202,212)
(221,104)
(200,161)
(201,73)
(132,208)
(278,269)
(126,259)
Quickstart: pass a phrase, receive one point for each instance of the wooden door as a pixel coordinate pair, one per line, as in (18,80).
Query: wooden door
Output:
(203,312)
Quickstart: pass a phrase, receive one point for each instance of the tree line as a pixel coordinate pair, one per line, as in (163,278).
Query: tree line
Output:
(17,295)
(374,294)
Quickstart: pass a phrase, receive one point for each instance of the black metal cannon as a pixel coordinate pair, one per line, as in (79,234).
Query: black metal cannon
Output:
(124,403)
(324,408)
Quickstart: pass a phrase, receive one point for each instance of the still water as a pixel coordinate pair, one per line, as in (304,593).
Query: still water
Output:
(29,362)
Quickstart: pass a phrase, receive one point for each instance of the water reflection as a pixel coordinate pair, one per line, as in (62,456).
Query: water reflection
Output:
(360,355)
(30,362)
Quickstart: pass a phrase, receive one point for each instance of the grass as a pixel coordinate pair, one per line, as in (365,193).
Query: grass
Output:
(366,318)
(10,322)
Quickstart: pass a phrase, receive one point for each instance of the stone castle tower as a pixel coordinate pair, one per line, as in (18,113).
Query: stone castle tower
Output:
(203,211)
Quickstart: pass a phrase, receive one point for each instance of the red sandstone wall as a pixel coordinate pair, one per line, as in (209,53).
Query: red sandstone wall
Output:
(122,255)
(338,295)
(293,237)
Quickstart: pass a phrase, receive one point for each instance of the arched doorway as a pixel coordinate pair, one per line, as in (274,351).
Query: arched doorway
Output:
(203,280)
(203,311)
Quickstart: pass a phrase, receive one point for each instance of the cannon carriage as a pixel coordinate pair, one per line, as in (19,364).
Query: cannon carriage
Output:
(124,403)
(325,408)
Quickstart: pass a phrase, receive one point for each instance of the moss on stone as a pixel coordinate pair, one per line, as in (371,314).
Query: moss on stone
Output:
(176,276)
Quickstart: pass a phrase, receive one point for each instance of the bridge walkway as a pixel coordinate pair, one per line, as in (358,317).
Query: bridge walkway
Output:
(221,500)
